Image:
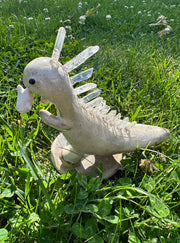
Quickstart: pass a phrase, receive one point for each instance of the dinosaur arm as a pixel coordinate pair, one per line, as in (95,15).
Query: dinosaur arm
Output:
(54,121)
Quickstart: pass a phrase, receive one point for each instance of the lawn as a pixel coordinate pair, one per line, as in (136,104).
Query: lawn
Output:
(138,73)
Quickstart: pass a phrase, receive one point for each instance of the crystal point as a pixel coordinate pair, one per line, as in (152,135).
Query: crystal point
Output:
(80,58)
(82,76)
(59,43)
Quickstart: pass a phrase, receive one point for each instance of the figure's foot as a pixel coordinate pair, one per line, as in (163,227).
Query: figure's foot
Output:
(91,163)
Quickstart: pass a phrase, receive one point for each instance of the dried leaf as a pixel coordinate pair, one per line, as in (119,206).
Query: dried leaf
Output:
(161,20)
(92,11)
(146,165)
(165,31)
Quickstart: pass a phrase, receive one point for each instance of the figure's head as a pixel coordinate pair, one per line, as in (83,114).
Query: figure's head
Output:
(44,76)
(47,78)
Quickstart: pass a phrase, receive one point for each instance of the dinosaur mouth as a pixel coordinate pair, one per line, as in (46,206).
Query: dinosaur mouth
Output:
(24,99)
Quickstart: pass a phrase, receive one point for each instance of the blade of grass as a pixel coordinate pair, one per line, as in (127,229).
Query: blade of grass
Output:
(38,179)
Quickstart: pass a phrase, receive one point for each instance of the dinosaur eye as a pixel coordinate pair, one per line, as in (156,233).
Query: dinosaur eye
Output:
(32,81)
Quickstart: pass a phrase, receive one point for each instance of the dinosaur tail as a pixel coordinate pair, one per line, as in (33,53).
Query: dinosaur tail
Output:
(141,136)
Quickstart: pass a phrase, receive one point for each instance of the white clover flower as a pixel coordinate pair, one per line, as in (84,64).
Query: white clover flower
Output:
(139,12)
(172,6)
(172,20)
(48,18)
(85,3)
(80,5)
(30,18)
(67,21)
(108,17)
(11,26)
(45,10)
(126,6)
(68,27)
(82,19)
(71,37)
(131,6)
(149,13)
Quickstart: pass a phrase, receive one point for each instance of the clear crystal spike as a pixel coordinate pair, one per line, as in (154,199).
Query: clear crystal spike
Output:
(59,43)
(82,76)
(84,88)
(94,103)
(104,110)
(111,115)
(90,96)
(80,58)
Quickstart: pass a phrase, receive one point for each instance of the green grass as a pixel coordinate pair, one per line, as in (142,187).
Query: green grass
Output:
(138,73)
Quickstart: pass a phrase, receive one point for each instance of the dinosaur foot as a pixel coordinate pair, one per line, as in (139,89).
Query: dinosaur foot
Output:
(106,165)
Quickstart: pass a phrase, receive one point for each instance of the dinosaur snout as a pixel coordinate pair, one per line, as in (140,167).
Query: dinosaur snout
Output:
(24,99)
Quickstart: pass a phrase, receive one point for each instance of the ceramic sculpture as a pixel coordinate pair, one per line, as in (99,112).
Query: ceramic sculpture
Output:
(91,133)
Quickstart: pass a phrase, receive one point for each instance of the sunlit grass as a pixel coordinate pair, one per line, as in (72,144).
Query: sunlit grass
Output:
(138,73)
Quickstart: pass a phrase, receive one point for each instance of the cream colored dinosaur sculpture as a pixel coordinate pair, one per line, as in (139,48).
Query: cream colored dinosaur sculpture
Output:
(91,132)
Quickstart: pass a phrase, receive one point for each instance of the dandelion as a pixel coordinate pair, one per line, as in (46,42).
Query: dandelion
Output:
(82,19)
(30,18)
(45,10)
(48,18)
(108,17)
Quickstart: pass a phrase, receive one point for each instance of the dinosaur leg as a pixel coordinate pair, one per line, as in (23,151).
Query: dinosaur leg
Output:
(70,156)
(65,157)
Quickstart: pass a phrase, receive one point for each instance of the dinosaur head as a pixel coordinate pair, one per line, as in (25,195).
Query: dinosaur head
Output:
(45,77)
